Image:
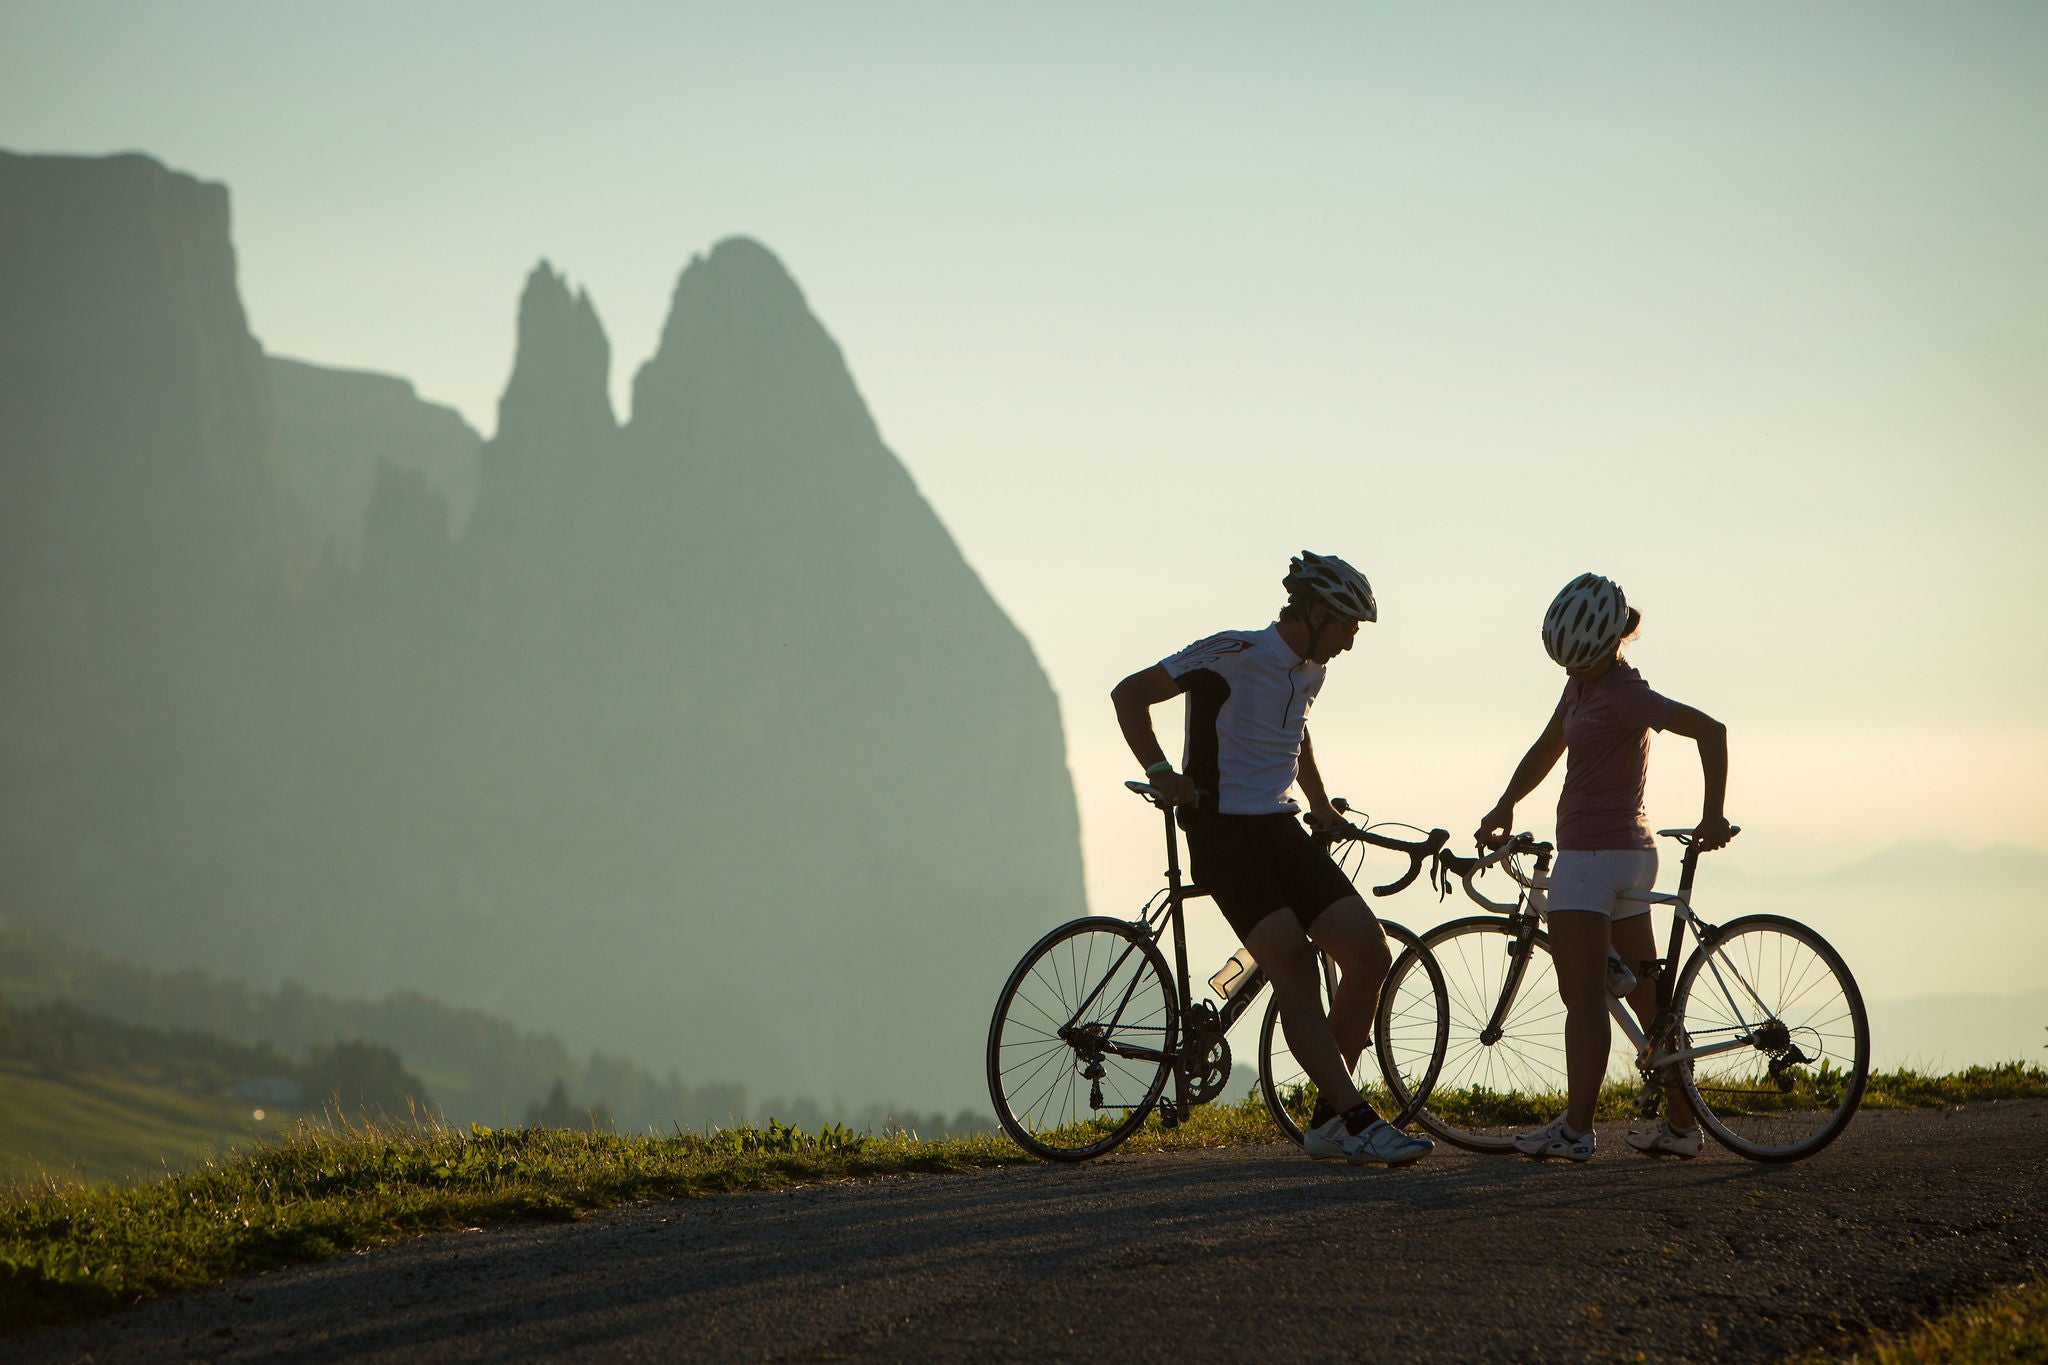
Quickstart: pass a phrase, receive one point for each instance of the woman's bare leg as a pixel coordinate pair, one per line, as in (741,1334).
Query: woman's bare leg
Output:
(1578,952)
(1637,943)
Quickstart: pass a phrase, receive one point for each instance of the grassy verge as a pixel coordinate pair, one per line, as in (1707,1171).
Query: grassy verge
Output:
(70,1250)
(1904,1089)
(2008,1325)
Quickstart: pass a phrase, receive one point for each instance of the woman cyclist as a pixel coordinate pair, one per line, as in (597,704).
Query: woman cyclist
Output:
(1602,727)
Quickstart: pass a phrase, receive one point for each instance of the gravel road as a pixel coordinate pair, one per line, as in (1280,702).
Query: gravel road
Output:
(1245,1251)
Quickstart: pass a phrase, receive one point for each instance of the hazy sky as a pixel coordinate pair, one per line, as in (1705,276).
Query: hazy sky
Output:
(1743,305)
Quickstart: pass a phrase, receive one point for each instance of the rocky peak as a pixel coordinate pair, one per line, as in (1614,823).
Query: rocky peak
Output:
(555,423)
(741,339)
(561,373)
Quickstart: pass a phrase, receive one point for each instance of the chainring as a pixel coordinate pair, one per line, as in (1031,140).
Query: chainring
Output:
(1205,1058)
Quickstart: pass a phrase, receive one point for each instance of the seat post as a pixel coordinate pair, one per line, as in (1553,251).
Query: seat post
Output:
(1172,850)
(1688,865)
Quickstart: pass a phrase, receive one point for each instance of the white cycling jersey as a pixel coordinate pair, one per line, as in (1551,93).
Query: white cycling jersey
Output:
(1248,698)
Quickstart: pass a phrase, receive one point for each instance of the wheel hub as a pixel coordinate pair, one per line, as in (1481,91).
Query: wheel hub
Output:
(1773,1037)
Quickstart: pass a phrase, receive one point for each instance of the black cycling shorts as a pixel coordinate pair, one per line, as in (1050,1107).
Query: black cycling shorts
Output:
(1255,864)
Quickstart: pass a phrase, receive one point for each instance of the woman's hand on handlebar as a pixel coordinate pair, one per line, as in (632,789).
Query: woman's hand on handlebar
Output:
(1322,815)
(1495,825)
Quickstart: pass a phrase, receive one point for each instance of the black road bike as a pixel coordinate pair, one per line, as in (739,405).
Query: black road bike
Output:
(1093,1024)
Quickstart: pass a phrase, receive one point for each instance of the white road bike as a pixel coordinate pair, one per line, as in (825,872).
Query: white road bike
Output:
(1762,1028)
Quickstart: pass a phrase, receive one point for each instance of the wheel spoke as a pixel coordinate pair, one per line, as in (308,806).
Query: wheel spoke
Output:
(1087,987)
(1778,985)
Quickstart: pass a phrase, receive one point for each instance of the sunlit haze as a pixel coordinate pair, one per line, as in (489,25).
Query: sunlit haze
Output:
(1742,305)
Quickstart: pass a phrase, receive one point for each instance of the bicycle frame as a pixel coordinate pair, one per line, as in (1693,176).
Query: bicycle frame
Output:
(1527,912)
(1164,913)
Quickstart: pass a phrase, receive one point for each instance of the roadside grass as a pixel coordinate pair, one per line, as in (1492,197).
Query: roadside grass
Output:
(1901,1089)
(2009,1324)
(70,1250)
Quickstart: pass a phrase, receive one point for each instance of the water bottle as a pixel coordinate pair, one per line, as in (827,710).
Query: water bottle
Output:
(1232,975)
(1620,980)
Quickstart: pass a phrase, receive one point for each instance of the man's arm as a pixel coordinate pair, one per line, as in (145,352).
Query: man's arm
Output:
(1134,699)
(1310,779)
(1498,823)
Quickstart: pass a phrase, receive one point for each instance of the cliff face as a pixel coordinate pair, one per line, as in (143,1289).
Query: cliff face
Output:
(679,745)
(332,429)
(143,555)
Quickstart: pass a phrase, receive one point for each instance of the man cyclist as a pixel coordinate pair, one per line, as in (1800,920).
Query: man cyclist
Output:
(1247,744)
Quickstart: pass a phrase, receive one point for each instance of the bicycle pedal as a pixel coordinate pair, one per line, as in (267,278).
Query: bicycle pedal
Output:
(1169,1114)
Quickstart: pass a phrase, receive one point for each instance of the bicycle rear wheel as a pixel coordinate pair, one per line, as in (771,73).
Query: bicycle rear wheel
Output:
(1409,1033)
(1490,1086)
(1060,1072)
(1778,988)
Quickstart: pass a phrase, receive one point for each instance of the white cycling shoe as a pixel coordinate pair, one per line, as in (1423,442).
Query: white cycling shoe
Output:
(1664,1140)
(1381,1141)
(1551,1140)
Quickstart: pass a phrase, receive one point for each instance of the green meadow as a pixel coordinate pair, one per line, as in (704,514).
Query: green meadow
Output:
(94,1128)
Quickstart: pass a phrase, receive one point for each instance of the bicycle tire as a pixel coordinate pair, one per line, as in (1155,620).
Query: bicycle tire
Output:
(1421,1013)
(1777,982)
(1486,1092)
(1038,1080)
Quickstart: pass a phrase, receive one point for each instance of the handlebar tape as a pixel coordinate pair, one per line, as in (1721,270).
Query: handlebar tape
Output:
(1417,853)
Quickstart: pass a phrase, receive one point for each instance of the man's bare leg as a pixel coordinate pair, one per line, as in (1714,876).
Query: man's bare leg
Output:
(1348,933)
(1283,950)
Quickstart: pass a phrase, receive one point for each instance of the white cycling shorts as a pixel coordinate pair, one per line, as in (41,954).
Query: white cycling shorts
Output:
(1590,880)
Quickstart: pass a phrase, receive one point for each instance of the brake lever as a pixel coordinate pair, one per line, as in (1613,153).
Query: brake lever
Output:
(1437,839)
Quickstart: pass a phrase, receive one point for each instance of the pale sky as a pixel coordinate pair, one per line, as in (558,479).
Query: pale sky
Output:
(1745,306)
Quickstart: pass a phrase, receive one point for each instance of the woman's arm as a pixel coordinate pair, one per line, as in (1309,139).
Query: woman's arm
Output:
(1712,737)
(1498,823)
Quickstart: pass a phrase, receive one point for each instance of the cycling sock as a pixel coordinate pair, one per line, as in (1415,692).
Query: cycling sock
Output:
(1360,1117)
(1323,1114)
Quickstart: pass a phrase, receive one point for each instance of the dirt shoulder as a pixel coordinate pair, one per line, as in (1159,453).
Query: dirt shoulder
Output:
(1202,1253)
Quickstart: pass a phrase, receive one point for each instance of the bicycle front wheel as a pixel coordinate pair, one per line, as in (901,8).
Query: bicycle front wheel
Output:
(1082,1038)
(1493,1082)
(1793,1041)
(1408,1036)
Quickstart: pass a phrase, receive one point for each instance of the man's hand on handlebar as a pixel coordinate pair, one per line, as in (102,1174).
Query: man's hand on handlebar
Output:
(1495,826)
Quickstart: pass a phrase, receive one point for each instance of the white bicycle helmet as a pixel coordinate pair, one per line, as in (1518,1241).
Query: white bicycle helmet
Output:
(1330,581)
(1585,620)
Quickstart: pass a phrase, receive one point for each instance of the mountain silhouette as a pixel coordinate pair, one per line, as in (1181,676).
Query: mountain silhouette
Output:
(696,740)
(334,428)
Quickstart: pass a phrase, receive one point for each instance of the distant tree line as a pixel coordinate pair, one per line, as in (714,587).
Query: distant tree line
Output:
(63,1042)
(476,1067)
